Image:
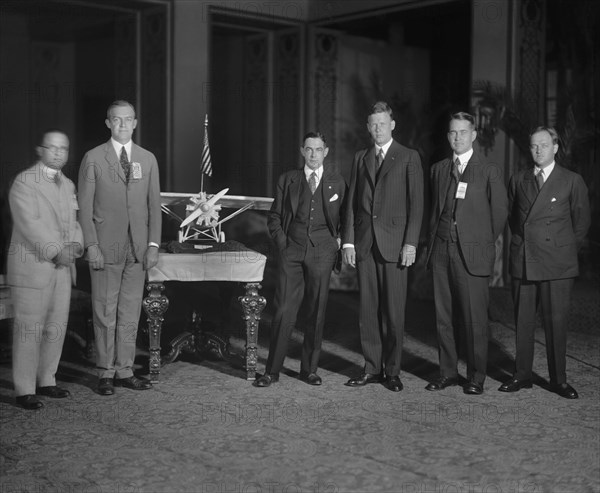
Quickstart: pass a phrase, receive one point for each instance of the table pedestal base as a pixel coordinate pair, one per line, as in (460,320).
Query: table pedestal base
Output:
(196,341)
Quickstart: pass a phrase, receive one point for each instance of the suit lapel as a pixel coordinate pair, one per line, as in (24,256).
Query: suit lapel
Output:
(113,161)
(370,164)
(50,192)
(551,190)
(444,183)
(389,160)
(529,187)
(325,181)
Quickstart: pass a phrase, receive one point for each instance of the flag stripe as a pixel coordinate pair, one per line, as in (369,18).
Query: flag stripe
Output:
(206,161)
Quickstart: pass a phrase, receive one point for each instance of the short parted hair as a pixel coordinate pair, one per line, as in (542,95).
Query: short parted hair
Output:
(119,102)
(553,133)
(464,116)
(314,135)
(381,107)
(43,133)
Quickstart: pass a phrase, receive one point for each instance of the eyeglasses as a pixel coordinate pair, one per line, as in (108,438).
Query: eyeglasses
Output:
(56,150)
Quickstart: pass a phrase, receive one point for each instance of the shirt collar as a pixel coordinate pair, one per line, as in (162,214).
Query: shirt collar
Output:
(547,170)
(308,171)
(385,148)
(117,146)
(463,158)
(51,173)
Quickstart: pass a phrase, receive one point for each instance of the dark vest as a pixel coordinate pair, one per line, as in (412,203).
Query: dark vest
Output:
(309,222)
(446,229)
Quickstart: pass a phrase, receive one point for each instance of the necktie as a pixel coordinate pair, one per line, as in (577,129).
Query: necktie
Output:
(312,182)
(57,178)
(124,162)
(456,170)
(539,179)
(379,158)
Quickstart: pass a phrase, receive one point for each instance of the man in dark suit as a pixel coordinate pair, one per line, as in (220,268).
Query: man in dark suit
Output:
(549,218)
(46,239)
(380,237)
(468,213)
(119,196)
(304,222)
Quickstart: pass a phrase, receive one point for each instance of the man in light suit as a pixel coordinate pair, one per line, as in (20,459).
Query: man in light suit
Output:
(468,213)
(46,239)
(549,218)
(304,222)
(380,238)
(119,196)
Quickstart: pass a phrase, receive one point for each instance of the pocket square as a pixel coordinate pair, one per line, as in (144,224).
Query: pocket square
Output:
(335,197)
(553,199)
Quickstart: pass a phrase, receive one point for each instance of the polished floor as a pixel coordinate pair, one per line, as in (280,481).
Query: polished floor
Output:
(204,428)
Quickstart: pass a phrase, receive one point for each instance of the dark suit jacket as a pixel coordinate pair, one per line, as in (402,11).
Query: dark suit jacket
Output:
(548,228)
(287,196)
(387,209)
(480,216)
(110,206)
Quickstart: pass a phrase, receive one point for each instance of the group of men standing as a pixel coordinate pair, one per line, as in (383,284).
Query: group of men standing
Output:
(115,220)
(376,222)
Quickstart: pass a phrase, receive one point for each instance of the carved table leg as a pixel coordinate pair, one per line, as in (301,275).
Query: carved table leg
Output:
(253,304)
(155,306)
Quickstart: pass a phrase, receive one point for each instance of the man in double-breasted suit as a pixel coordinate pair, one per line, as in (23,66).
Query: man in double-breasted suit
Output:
(304,222)
(119,196)
(468,214)
(45,241)
(380,237)
(549,218)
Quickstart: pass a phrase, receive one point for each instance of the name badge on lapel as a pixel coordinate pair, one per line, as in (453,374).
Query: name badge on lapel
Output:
(136,171)
(461,190)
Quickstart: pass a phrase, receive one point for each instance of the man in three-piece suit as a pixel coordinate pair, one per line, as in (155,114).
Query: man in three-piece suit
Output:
(46,239)
(549,218)
(304,222)
(468,214)
(119,196)
(380,237)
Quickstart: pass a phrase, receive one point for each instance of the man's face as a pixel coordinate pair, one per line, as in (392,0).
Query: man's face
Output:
(461,136)
(122,123)
(54,150)
(380,126)
(314,152)
(542,148)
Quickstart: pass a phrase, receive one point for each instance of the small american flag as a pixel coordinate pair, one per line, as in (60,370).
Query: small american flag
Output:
(206,162)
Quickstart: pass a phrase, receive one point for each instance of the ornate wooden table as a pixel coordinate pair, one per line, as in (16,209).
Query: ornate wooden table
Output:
(237,266)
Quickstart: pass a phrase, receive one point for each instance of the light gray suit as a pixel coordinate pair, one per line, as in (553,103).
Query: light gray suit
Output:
(44,219)
(122,217)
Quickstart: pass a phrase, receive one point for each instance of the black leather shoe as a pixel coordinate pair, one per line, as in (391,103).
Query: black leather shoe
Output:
(266,380)
(29,401)
(311,378)
(133,383)
(105,386)
(394,383)
(515,385)
(53,391)
(364,379)
(441,383)
(473,388)
(566,391)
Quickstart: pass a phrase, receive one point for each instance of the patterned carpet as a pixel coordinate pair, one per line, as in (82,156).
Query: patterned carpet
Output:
(205,429)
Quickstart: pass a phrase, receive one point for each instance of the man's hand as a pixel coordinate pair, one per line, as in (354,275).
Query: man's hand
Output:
(68,253)
(349,256)
(94,257)
(409,255)
(151,257)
